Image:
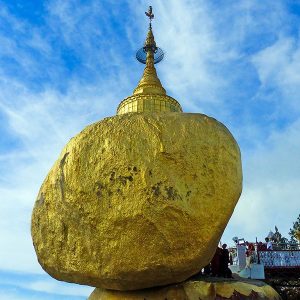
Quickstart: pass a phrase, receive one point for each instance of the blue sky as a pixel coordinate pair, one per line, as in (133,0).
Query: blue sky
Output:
(66,64)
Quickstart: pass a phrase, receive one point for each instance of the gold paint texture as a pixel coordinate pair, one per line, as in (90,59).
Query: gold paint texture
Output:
(149,83)
(193,290)
(150,41)
(148,103)
(137,200)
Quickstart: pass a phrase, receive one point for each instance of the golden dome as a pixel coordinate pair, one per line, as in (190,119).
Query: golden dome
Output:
(149,95)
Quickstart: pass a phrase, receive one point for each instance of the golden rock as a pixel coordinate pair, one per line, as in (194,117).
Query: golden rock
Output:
(195,289)
(137,200)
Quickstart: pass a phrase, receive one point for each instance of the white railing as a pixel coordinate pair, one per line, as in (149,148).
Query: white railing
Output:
(280,258)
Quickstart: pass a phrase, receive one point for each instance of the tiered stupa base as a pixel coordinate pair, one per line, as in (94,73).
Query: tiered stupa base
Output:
(196,289)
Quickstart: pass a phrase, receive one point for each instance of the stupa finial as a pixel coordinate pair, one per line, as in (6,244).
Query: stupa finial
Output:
(150,15)
(150,44)
(150,54)
(149,95)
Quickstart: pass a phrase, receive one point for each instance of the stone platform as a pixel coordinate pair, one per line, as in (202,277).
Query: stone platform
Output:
(196,289)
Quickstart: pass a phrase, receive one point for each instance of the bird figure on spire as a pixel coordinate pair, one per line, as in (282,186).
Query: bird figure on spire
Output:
(149,14)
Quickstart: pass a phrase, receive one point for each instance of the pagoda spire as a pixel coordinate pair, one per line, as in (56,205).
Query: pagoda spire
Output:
(150,82)
(149,95)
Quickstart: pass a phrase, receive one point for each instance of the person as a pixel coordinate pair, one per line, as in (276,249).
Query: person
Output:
(215,263)
(248,259)
(225,271)
(251,247)
(230,258)
(207,270)
(261,247)
(269,244)
(249,254)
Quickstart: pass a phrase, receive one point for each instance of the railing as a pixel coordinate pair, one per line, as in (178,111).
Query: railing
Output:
(286,246)
(280,258)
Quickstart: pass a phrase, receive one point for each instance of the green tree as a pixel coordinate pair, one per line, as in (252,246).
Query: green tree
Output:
(294,229)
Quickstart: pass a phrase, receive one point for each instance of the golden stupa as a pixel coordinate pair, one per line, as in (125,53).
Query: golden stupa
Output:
(149,95)
(141,199)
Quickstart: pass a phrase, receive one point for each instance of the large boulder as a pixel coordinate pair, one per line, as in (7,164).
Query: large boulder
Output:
(137,200)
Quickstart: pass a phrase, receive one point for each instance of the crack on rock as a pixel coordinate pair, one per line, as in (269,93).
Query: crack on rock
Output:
(130,178)
(188,193)
(62,176)
(156,189)
(168,192)
(40,200)
(99,188)
(112,176)
(172,193)
(65,230)
(125,179)
(169,157)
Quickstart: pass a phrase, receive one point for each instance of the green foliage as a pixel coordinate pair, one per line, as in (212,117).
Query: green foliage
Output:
(296,227)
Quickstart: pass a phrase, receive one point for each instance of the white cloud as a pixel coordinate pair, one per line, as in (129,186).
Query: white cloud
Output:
(278,68)
(271,195)
(207,58)
(184,29)
(24,286)
(11,296)
(55,287)
(204,44)
(42,122)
